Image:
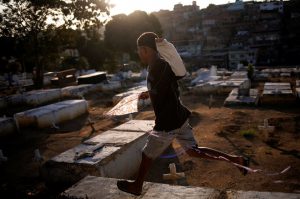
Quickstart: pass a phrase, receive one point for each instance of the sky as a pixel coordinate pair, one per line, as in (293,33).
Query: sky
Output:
(128,6)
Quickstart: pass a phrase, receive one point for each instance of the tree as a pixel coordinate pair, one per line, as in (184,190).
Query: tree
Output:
(92,47)
(122,31)
(250,71)
(32,20)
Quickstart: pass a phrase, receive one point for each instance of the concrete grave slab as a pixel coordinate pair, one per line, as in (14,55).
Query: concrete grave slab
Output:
(222,87)
(111,154)
(98,187)
(136,126)
(110,86)
(106,188)
(278,83)
(262,76)
(15,100)
(285,74)
(278,86)
(120,96)
(260,195)
(156,190)
(277,92)
(33,98)
(45,116)
(38,97)
(240,74)
(75,91)
(234,99)
(286,70)
(80,90)
(92,78)
(127,105)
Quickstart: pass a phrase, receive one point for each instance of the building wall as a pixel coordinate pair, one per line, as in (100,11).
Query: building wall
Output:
(212,34)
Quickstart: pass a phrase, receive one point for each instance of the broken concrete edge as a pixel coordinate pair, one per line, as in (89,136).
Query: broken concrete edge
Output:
(118,148)
(121,162)
(133,126)
(137,89)
(100,187)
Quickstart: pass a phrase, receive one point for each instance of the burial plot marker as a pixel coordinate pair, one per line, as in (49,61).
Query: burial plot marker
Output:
(173,175)
(210,101)
(266,126)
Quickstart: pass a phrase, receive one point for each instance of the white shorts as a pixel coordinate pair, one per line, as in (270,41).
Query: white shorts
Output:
(158,141)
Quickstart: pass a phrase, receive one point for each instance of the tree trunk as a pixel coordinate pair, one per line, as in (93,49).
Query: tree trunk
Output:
(39,81)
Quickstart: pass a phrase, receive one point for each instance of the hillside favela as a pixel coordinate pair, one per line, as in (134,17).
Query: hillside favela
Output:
(191,99)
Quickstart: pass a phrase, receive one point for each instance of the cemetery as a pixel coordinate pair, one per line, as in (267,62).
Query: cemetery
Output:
(118,99)
(105,147)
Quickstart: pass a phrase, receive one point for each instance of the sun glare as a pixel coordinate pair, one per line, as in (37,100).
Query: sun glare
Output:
(128,6)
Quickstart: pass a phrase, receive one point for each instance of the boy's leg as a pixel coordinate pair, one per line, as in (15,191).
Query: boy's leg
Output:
(208,153)
(136,186)
(157,142)
(186,139)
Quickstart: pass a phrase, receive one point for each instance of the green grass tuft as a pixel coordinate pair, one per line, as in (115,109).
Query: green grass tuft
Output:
(248,133)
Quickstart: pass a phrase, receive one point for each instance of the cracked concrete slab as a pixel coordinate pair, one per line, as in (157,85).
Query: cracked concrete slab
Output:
(99,187)
(136,125)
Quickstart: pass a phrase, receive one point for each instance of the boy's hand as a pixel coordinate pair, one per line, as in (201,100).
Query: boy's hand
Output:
(158,40)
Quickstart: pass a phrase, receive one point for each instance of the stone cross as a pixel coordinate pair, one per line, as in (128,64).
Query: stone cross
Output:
(2,157)
(210,101)
(266,126)
(173,175)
